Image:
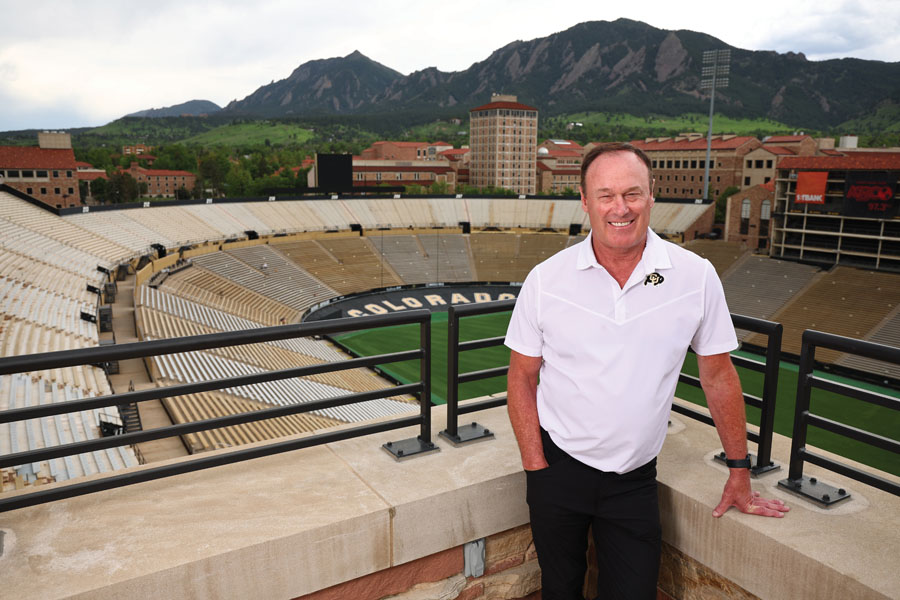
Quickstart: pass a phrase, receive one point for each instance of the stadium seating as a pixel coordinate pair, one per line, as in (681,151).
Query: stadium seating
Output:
(758,286)
(846,301)
(887,333)
(722,255)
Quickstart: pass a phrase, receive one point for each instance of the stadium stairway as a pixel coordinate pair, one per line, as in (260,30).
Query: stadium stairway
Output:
(152,414)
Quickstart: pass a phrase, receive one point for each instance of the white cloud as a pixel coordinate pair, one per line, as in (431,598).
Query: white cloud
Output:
(95,61)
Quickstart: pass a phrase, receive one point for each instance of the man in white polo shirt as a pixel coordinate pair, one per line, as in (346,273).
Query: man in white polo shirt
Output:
(605,325)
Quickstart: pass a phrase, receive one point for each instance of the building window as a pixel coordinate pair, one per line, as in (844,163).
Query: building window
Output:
(693,164)
(43,190)
(769,164)
(42,173)
(71,191)
(764,216)
(27,173)
(56,191)
(29,191)
(14,173)
(749,163)
(746,181)
(56,173)
(759,164)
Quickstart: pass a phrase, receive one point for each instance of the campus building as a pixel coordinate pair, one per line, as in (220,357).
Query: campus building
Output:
(46,172)
(422,173)
(559,166)
(388,150)
(839,210)
(748,216)
(503,141)
(679,163)
(162,182)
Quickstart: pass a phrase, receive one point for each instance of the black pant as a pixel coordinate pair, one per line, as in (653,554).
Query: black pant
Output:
(569,497)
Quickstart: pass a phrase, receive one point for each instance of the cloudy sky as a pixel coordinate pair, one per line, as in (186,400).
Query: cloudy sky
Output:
(70,64)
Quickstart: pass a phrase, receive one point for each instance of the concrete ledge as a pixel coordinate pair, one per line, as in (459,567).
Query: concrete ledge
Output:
(298,523)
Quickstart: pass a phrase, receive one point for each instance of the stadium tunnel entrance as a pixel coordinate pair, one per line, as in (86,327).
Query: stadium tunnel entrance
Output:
(433,296)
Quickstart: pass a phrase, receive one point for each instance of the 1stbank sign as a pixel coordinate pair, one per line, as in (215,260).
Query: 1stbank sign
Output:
(811,187)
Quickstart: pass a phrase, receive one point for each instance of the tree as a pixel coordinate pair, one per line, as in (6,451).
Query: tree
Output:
(722,202)
(238,182)
(214,168)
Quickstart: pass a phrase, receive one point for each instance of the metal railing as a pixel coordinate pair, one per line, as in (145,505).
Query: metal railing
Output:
(457,434)
(761,462)
(473,431)
(810,487)
(37,362)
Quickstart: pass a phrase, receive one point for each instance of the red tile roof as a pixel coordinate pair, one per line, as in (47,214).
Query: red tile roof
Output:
(784,139)
(162,172)
(863,161)
(454,152)
(395,168)
(403,144)
(496,105)
(440,143)
(91,175)
(769,185)
(562,153)
(695,144)
(32,157)
(83,165)
(779,150)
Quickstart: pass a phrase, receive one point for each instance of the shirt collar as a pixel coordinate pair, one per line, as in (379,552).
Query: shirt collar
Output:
(655,255)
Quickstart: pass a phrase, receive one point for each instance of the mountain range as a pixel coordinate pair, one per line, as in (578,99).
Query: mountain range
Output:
(193,108)
(618,66)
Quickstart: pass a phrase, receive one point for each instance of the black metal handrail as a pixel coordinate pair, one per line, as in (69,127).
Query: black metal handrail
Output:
(810,487)
(762,461)
(83,356)
(474,431)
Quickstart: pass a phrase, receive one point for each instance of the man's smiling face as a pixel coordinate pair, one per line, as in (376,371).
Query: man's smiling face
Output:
(617,196)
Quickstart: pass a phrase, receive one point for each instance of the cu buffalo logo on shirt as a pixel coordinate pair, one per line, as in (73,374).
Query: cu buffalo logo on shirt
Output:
(654,278)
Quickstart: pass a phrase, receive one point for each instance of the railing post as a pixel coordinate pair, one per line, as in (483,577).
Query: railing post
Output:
(770,393)
(422,443)
(452,373)
(473,432)
(796,483)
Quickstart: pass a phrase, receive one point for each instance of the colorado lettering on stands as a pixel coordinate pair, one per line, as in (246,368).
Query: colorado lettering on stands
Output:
(384,307)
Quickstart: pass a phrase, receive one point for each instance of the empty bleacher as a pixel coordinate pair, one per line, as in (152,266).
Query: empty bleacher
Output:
(510,257)
(758,286)
(722,255)
(21,391)
(888,333)
(204,287)
(285,283)
(452,254)
(846,301)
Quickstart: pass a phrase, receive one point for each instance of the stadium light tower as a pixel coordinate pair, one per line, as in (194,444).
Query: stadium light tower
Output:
(716,65)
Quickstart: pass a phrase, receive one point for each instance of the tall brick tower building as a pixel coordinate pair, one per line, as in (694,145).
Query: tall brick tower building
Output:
(503,142)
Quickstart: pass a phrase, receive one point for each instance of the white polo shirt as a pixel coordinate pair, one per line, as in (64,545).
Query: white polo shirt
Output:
(611,355)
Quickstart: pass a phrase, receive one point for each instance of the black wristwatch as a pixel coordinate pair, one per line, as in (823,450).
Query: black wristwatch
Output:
(738,463)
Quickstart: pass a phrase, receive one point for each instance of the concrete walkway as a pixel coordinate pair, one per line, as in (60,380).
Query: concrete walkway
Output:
(152,413)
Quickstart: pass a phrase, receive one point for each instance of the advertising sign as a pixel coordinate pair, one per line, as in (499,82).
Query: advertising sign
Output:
(811,187)
(810,194)
(870,195)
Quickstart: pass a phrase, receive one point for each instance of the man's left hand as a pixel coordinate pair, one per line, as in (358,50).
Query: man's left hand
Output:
(738,494)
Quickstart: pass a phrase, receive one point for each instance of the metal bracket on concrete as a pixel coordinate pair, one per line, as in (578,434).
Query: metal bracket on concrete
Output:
(468,433)
(812,489)
(409,448)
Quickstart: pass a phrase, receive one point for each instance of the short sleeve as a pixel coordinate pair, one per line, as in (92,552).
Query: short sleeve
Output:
(716,332)
(524,333)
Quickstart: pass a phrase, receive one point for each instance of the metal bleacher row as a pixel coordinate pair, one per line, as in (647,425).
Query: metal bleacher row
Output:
(20,391)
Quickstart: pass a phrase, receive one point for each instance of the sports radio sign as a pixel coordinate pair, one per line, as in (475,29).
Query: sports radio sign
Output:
(870,195)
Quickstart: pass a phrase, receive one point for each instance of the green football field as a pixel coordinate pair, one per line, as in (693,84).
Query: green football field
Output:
(868,417)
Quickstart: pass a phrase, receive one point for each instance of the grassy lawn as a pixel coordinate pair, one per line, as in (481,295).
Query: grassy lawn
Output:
(251,134)
(406,337)
(686,122)
(855,413)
